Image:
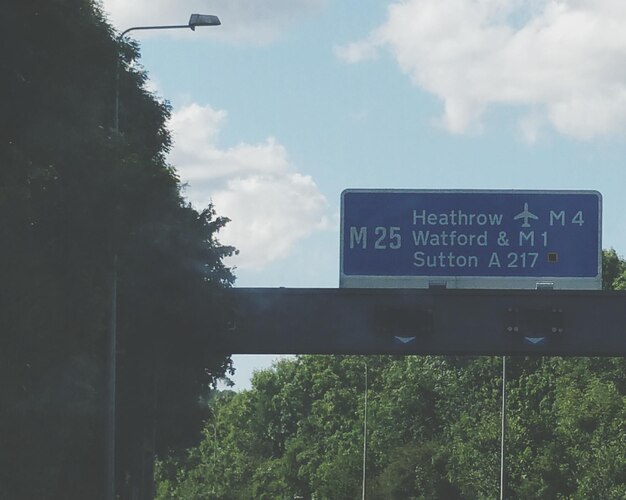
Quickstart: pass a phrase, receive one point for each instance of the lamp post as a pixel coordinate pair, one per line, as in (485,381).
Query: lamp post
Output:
(194,21)
(364,482)
(503,433)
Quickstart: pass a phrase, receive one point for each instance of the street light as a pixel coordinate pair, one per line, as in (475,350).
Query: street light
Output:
(203,20)
(194,21)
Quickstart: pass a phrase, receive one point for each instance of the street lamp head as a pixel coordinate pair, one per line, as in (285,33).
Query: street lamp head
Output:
(203,20)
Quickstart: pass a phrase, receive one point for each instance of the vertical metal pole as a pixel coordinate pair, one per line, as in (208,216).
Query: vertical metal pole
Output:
(116,110)
(503,435)
(111,376)
(365,435)
(112,340)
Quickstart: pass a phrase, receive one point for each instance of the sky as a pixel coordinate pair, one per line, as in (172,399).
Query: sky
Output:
(289,102)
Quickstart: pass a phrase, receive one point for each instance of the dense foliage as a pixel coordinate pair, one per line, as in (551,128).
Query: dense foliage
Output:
(74,193)
(433,429)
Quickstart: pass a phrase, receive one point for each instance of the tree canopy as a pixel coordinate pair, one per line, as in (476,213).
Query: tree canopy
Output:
(75,194)
(433,431)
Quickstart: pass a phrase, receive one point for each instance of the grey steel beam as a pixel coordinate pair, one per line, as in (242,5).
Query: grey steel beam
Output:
(446,322)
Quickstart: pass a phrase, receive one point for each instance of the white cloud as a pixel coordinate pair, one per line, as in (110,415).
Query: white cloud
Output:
(269,214)
(358,51)
(248,21)
(270,204)
(560,59)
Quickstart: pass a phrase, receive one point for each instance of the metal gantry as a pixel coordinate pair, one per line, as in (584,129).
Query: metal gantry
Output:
(427,321)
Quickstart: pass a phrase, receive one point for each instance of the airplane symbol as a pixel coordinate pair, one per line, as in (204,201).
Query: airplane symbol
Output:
(526,214)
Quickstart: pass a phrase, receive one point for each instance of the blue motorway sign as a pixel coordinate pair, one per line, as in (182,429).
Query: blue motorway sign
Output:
(471,239)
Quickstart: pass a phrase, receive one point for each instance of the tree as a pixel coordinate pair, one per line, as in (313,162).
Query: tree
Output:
(613,271)
(72,194)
